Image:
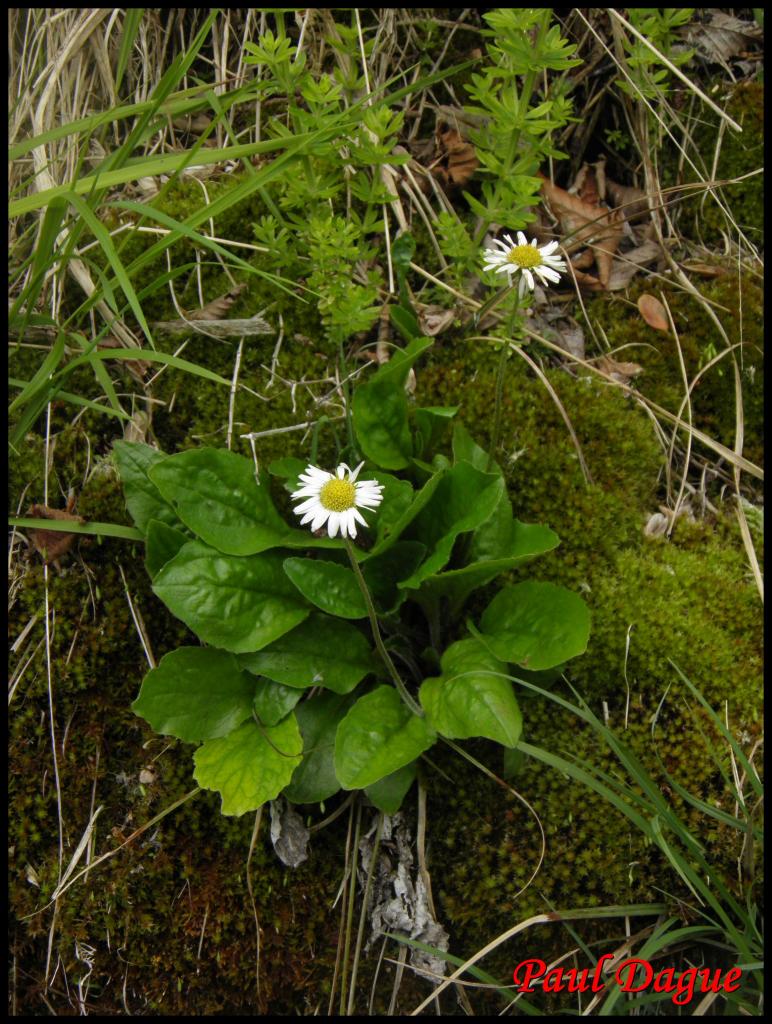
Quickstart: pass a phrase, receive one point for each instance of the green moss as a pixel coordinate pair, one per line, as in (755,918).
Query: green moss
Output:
(738,303)
(739,155)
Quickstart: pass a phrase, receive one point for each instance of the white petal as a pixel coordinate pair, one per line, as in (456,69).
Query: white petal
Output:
(521,239)
(333,523)
(312,473)
(320,519)
(554,261)
(534,243)
(352,476)
(347,527)
(547,275)
(522,287)
(546,250)
(310,504)
(529,278)
(358,516)
(366,490)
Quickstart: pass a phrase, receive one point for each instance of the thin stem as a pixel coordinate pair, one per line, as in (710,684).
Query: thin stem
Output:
(498,408)
(487,306)
(402,689)
(497,411)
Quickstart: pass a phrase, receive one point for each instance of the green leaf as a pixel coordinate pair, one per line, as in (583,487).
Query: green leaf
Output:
(378,736)
(431,423)
(405,321)
(409,513)
(465,449)
(536,625)
(143,499)
(471,697)
(397,497)
(322,651)
(273,701)
(402,252)
(315,777)
(329,586)
(463,500)
(501,543)
(383,572)
(162,544)
(387,794)
(216,495)
(251,765)
(241,604)
(289,469)
(195,693)
(379,410)
(503,536)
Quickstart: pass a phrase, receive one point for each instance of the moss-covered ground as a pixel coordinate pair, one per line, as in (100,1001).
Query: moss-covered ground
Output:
(168,919)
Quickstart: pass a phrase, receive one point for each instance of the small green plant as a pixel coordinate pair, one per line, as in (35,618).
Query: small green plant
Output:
(331,206)
(286,695)
(515,138)
(651,78)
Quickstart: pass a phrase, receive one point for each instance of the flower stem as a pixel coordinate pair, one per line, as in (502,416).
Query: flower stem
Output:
(497,411)
(401,688)
(486,307)
(498,408)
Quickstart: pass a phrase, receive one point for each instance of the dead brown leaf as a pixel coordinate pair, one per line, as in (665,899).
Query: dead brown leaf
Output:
(604,254)
(53,544)
(724,36)
(457,160)
(632,202)
(217,308)
(433,320)
(599,228)
(633,260)
(653,312)
(623,373)
(704,269)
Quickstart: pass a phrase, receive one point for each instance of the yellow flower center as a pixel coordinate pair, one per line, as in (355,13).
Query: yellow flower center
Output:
(525,256)
(338,495)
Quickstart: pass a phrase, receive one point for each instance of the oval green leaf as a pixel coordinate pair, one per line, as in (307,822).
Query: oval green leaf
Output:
(378,736)
(388,793)
(240,604)
(329,586)
(162,544)
(273,701)
(471,697)
(195,693)
(536,625)
(322,651)
(143,499)
(250,765)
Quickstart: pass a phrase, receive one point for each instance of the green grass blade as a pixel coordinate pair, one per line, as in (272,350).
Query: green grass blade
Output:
(131,23)
(106,243)
(71,526)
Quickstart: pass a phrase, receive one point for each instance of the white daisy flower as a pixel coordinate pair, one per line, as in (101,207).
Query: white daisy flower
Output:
(334,498)
(524,259)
